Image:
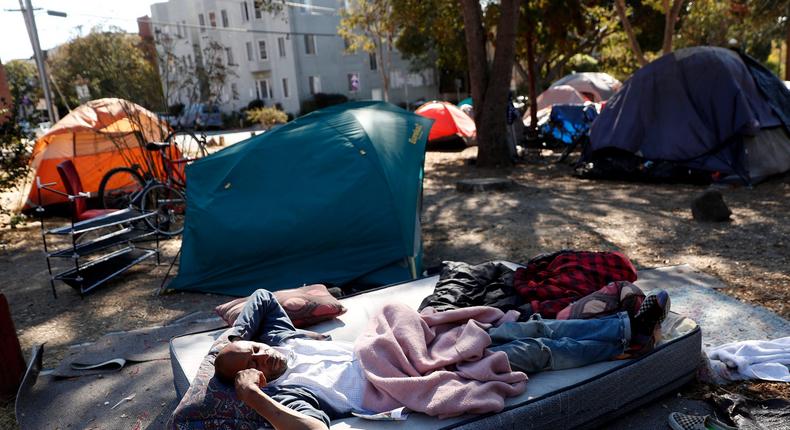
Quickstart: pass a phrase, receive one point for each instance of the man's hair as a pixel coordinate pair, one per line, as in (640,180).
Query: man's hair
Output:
(221,366)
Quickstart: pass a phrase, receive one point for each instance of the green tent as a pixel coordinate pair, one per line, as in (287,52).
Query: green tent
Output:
(332,197)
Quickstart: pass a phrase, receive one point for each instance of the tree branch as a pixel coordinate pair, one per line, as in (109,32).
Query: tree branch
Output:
(629,31)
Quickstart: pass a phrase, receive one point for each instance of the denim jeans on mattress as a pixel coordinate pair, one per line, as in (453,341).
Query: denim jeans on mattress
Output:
(536,345)
(263,320)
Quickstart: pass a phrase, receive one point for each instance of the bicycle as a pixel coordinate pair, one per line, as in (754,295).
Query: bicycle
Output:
(123,187)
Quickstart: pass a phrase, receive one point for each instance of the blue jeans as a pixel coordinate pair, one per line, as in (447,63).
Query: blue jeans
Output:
(264,320)
(536,345)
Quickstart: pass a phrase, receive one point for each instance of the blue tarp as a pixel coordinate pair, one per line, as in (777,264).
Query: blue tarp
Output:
(332,197)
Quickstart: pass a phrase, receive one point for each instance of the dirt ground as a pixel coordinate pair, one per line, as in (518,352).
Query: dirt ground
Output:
(546,210)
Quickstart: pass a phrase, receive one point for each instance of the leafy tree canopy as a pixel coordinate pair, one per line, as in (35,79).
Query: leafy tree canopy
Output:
(111,64)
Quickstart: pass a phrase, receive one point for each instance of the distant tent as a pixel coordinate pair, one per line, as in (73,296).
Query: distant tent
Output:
(466,101)
(97,136)
(332,197)
(697,111)
(450,121)
(595,86)
(559,95)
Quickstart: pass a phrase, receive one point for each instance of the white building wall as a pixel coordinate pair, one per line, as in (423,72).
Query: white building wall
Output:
(329,63)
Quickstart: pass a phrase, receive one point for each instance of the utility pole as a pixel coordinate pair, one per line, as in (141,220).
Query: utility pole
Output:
(30,22)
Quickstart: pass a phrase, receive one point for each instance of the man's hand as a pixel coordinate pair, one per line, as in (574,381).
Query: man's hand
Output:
(247,382)
(248,389)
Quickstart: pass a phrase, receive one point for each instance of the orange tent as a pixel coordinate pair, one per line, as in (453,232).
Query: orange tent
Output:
(449,120)
(97,136)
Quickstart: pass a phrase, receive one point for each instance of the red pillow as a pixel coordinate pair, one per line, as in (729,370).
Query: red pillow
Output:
(305,306)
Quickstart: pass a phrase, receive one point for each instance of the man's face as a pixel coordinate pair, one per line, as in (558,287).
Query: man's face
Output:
(241,355)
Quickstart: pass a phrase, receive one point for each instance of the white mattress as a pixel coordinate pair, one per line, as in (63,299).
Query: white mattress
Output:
(586,395)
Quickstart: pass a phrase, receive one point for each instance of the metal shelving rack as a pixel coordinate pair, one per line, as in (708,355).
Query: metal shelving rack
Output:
(103,257)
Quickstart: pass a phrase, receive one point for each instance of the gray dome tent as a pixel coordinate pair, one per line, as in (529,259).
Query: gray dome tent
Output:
(705,113)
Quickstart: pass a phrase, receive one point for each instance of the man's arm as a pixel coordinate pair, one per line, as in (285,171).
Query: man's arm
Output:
(248,383)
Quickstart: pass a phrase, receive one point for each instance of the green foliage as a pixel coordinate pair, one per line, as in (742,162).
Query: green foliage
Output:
(23,82)
(754,27)
(14,151)
(369,26)
(112,64)
(431,34)
(268,117)
(366,25)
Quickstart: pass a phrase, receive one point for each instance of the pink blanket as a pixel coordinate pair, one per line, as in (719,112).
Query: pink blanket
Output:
(436,362)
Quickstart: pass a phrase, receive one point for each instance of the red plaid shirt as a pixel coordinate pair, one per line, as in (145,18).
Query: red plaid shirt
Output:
(550,283)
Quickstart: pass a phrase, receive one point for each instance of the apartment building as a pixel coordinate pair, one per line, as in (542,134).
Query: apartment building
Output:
(282,58)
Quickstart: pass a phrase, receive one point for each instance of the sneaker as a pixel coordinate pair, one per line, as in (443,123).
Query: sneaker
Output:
(651,313)
(647,322)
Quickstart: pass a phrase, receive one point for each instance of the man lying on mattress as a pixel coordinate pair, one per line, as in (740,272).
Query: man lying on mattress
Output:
(441,363)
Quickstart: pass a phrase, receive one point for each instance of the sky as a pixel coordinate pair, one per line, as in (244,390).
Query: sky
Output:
(53,30)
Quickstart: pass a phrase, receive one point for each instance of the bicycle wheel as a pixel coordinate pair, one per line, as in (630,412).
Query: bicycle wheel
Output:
(190,146)
(170,206)
(119,186)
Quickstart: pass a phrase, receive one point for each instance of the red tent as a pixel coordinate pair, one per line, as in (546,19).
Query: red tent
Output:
(449,120)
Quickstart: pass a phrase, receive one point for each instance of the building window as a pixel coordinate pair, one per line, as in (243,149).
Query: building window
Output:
(373,64)
(202,22)
(262,50)
(224,14)
(234,91)
(212,19)
(245,11)
(257,7)
(250,55)
(281,46)
(229,55)
(285,88)
(264,89)
(309,44)
(314,84)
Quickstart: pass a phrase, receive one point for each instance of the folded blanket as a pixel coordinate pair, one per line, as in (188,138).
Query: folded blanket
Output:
(436,362)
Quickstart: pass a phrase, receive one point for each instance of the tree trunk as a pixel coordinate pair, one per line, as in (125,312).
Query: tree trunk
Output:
(490,87)
(533,91)
(670,17)
(787,52)
(629,31)
(384,70)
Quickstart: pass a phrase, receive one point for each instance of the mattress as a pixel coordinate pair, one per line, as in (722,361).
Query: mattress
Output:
(574,398)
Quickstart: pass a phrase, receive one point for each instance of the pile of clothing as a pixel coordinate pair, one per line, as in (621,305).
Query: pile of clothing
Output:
(562,285)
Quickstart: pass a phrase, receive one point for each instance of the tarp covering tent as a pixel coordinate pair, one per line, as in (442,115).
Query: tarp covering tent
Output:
(596,86)
(331,197)
(705,109)
(450,121)
(97,136)
(559,95)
